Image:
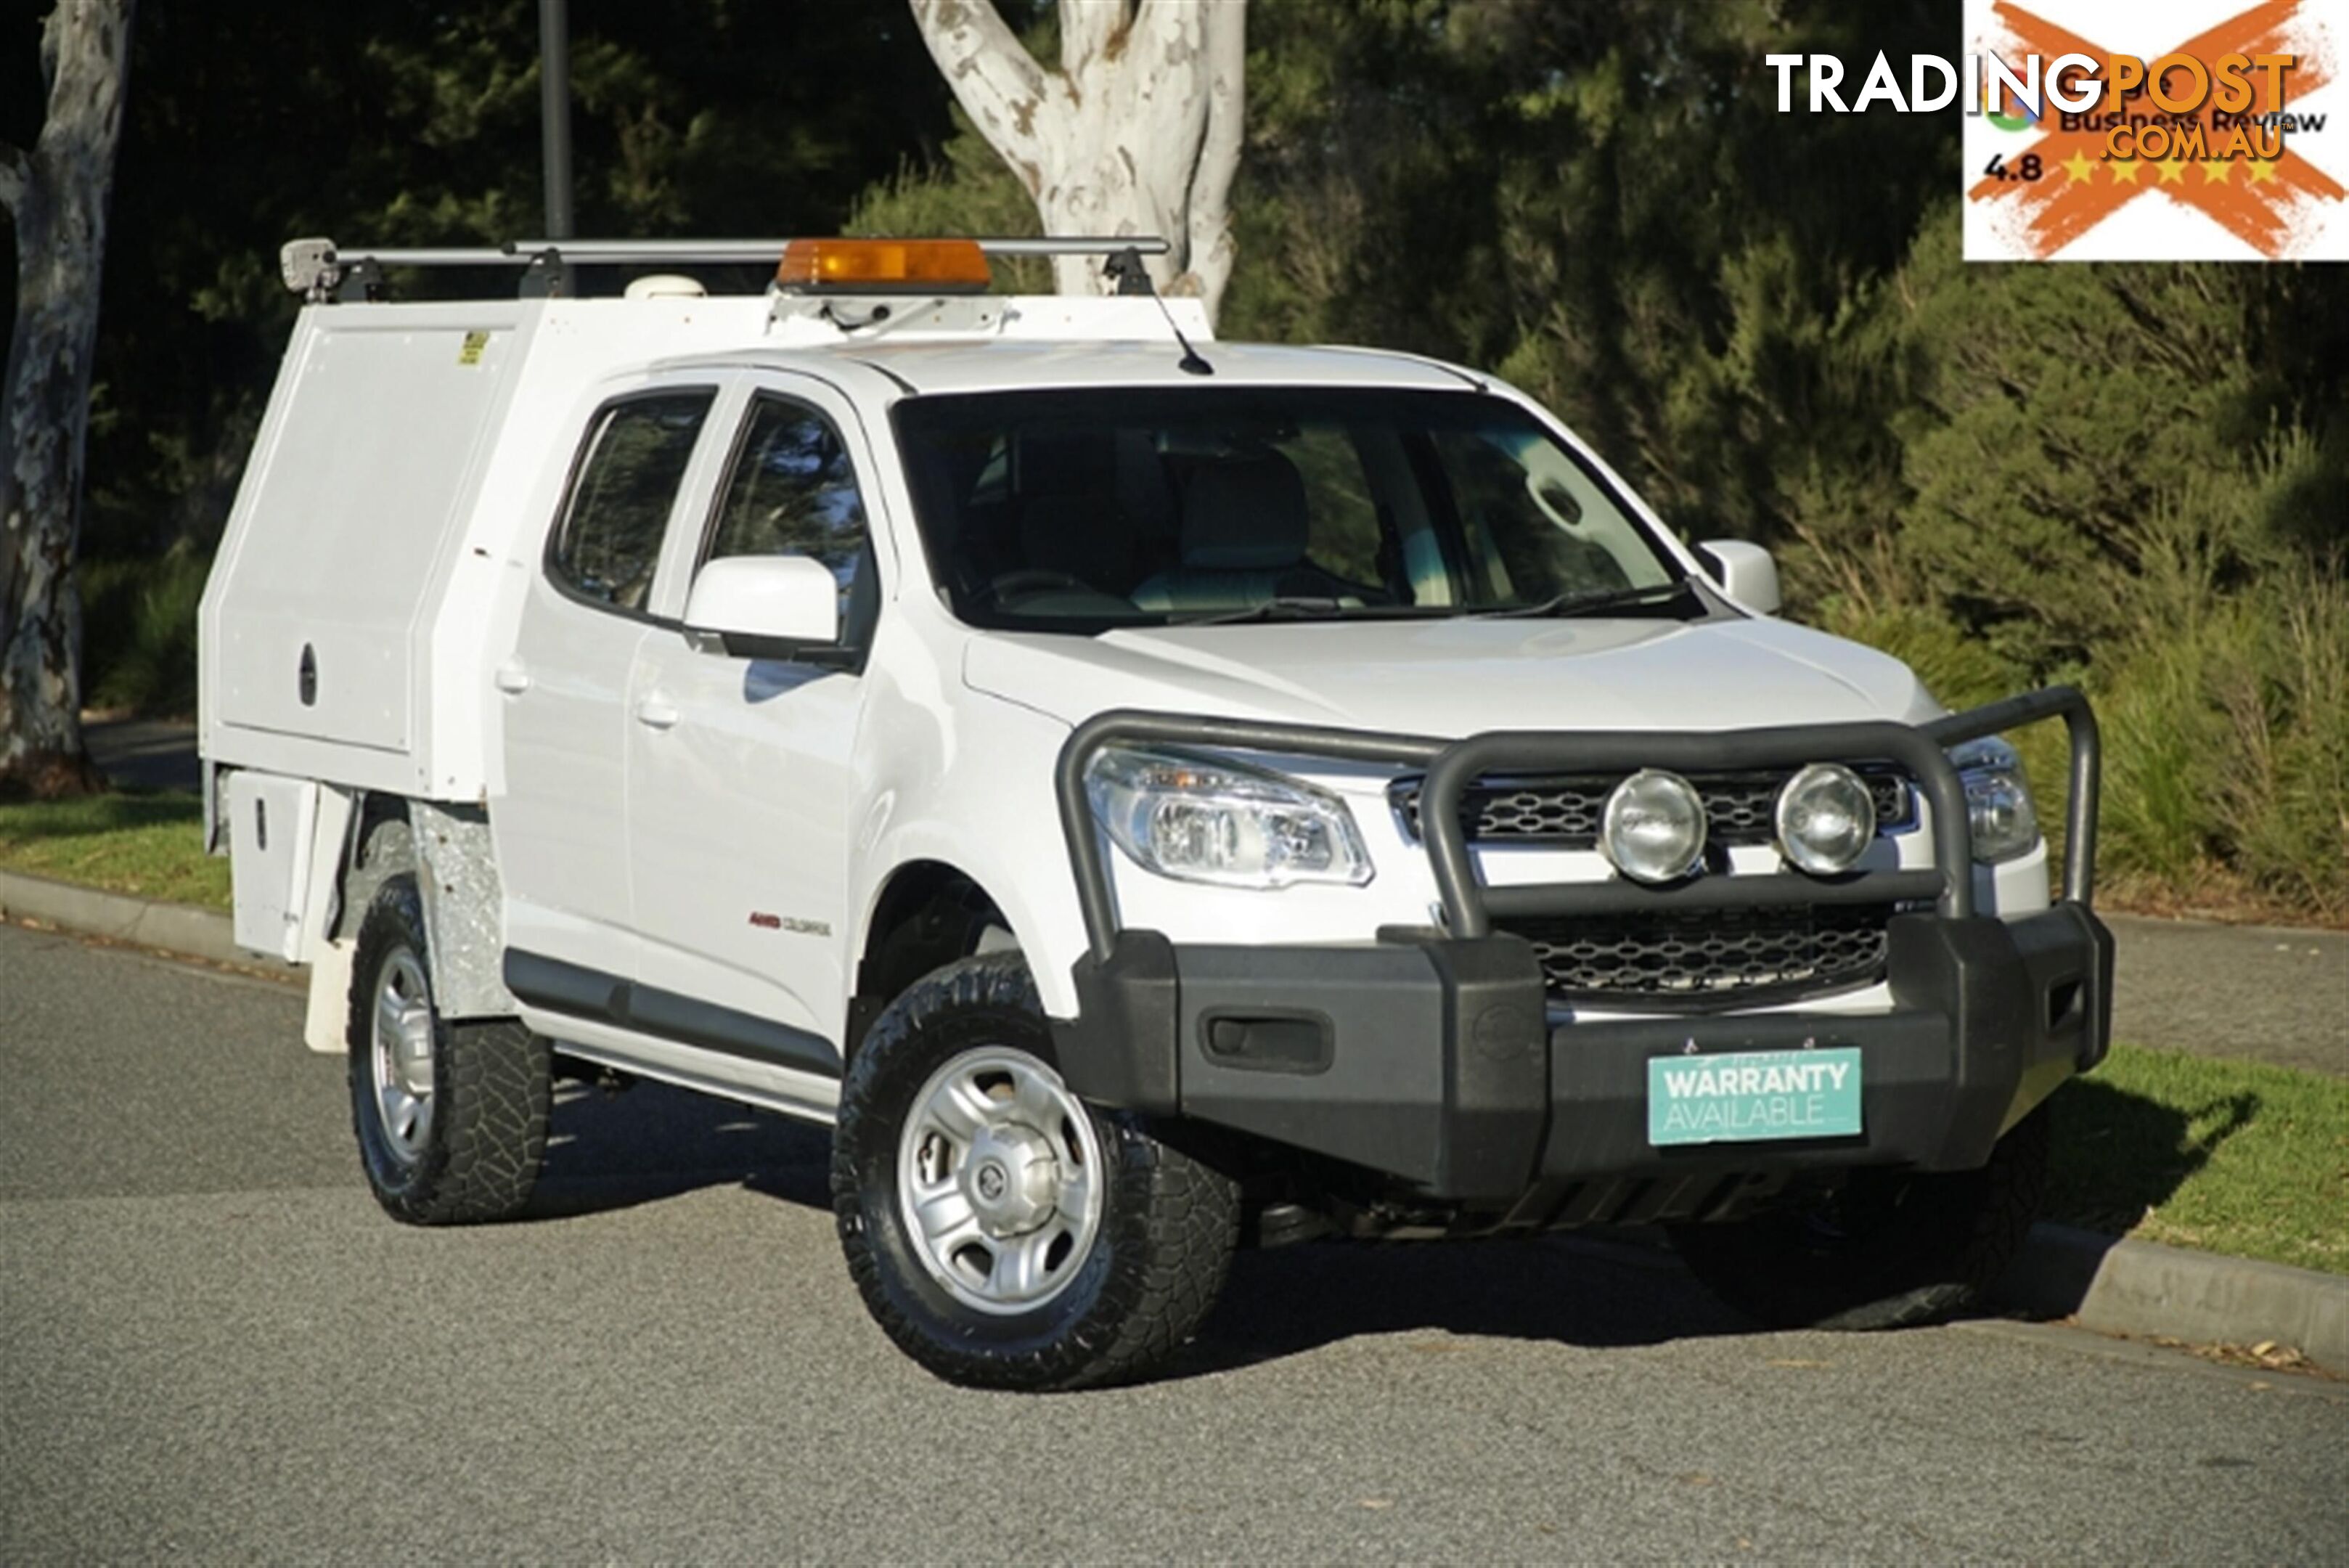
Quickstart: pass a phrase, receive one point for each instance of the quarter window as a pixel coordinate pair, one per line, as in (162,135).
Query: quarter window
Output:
(636,457)
(792,492)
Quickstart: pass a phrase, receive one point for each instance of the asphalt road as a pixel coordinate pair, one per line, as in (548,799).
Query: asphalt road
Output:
(213,1346)
(2265,993)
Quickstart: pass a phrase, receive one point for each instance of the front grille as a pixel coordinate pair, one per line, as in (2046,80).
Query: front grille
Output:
(1702,958)
(1564,812)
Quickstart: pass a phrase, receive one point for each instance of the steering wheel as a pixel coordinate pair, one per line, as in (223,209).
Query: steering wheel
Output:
(1033,580)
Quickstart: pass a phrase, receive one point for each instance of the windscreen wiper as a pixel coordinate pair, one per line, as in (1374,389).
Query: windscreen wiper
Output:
(1585,602)
(1284,606)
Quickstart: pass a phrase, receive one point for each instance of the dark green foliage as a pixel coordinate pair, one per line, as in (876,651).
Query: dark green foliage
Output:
(139,631)
(411,123)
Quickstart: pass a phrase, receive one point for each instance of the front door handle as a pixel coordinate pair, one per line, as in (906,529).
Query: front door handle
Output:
(512,678)
(656,712)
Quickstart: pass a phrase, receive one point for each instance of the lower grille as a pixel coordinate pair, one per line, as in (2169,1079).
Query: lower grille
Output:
(1709,958)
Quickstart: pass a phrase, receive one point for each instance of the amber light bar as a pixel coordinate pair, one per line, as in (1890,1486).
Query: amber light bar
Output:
(866,266)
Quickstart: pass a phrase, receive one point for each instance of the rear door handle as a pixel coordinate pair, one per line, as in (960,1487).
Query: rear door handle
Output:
(656,713)
(512,678)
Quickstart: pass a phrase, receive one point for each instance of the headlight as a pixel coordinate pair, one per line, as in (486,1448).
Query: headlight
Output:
(1999,812)
(1826,818)
(1653,827)
(1218,822)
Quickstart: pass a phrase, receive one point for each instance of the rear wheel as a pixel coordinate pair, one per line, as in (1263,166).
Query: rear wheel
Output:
(1889,1249)
(1004,1233)
(451,1117)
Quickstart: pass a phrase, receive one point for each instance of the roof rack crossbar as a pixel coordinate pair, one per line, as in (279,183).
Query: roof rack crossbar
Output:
(315,267)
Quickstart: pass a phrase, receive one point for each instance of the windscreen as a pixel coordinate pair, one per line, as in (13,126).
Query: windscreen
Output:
(1077,511)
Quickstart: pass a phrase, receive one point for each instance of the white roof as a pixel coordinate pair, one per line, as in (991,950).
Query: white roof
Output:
(1010,364)
(997,343)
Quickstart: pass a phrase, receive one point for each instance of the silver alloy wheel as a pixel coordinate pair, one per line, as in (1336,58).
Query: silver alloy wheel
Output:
(402,1054)
(999,1180)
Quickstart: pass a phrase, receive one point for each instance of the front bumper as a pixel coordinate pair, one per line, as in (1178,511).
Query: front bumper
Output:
(1432,1060)
(1429,1055)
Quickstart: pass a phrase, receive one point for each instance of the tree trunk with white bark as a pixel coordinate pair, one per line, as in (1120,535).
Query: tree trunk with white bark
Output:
(1138,132)
(55,199)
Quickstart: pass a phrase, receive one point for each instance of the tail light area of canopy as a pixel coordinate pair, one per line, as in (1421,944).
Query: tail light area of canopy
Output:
(323,272)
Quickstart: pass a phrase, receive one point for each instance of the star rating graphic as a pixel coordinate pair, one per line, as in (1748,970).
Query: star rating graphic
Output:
(2275,207)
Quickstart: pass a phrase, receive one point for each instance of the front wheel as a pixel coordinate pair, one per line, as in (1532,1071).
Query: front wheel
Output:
(1889,1249)
(1004,1233)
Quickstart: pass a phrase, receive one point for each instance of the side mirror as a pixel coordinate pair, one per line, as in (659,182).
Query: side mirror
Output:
(1745,572)
(766,606)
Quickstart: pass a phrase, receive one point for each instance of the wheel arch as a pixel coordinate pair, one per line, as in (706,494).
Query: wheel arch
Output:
(924,914)
(448,849)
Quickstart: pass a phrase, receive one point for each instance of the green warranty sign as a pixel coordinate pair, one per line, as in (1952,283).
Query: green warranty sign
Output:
(1747,1096)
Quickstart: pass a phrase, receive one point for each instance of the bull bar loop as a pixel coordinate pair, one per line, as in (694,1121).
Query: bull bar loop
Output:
(1453,766)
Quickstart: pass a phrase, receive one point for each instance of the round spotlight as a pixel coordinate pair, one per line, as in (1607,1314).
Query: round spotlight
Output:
(1653,828)
(1826,818)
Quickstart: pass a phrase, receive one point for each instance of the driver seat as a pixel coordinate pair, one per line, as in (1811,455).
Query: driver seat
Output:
(1243,539)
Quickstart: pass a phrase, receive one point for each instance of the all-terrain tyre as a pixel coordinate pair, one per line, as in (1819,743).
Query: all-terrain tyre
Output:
(451,1117)
(1891,1250)
(1005,1234)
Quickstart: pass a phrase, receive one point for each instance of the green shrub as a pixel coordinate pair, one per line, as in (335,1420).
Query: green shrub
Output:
(2163,736)
(2285,784)
(139,631)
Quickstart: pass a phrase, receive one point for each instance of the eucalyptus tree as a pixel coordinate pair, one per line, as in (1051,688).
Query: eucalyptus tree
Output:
(55,195)
(1137,132)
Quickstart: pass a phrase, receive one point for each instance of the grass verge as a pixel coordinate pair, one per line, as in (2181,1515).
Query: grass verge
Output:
(149,845)
(2224,1155)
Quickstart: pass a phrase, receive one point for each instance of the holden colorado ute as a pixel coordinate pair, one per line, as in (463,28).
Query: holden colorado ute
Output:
(1149,794)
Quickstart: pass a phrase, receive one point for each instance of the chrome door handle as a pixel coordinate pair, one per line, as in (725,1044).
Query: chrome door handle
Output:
(656,713)
(512,678)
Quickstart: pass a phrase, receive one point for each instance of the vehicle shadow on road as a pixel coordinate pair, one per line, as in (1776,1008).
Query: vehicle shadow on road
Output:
(2119,1154)
(607,1151)
(1296,1299)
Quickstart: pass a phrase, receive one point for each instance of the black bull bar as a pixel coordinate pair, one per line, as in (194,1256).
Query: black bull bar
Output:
(1454,766)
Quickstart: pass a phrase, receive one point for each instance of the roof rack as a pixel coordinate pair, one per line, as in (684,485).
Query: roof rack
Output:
(319,270)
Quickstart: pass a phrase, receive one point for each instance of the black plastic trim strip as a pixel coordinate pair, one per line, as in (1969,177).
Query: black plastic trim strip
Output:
(722,1029)
(580,992)
(566,987)
(1749,892)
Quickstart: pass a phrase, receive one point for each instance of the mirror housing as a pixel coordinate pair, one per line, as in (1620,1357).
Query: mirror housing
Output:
(766,606)
(1745,572)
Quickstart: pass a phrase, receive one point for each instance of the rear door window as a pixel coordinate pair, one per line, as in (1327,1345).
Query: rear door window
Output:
(608,543)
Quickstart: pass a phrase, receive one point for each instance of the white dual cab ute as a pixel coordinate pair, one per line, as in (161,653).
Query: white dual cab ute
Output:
(1151,795)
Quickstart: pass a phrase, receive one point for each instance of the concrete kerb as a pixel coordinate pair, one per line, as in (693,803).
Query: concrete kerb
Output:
(137,922)
(2144,1289)
(2109,1285)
